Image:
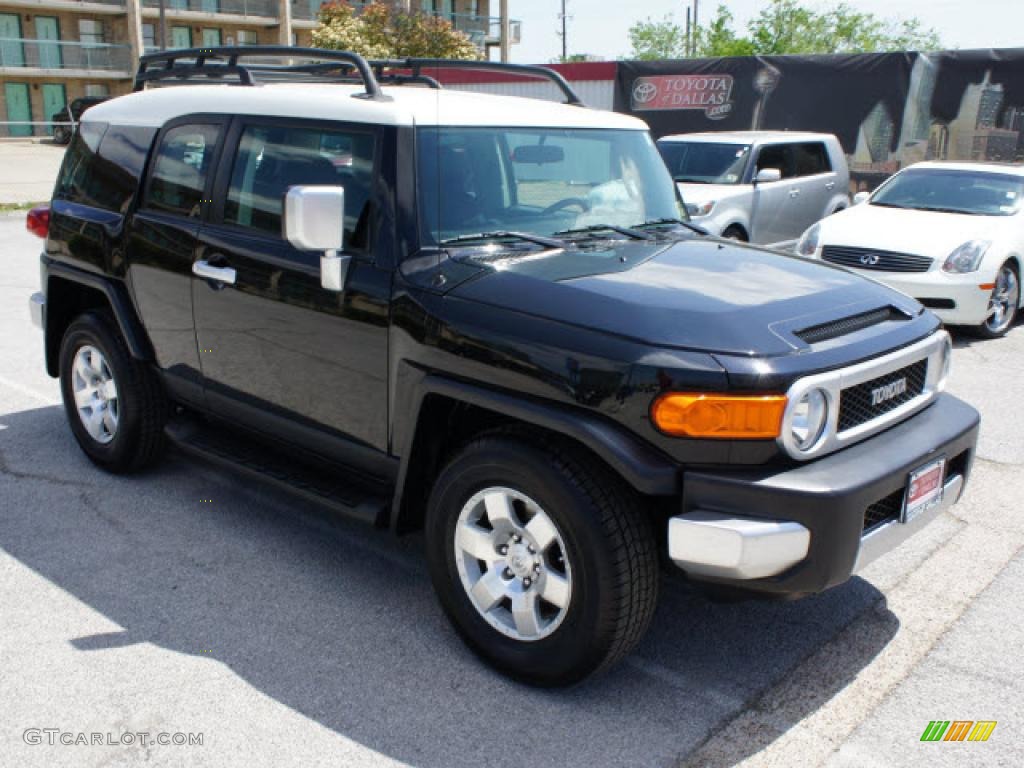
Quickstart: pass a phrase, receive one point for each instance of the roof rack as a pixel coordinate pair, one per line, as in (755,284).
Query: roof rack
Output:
(217,63)
(189,64)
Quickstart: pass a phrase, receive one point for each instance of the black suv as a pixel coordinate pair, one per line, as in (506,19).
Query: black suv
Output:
(487,318)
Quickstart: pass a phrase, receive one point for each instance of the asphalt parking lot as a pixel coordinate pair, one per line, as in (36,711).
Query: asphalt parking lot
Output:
(187,601)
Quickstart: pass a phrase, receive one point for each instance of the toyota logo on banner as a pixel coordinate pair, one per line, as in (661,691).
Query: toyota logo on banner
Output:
(710,93)
(870,259)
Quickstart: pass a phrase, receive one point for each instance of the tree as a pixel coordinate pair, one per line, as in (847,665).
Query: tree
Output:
(784,26)
(379,32)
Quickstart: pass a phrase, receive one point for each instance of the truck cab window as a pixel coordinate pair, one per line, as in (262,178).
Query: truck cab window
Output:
(181,169)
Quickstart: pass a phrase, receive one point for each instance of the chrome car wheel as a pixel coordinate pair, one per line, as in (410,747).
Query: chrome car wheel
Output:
(513,563)
(1002,305)
(95,394)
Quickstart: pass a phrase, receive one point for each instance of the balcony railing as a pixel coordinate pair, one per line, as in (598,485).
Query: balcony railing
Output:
(479,29)
(267,8)
(59,54)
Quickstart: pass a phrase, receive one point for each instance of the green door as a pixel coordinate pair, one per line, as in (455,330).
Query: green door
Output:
(19,108)
(211,38)
(181,37)
(12,52)
(54,101)
(47,29)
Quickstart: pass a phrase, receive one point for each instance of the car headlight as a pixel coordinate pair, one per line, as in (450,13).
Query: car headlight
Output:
(808,418)
(700,209)
(808,243)
(967,257)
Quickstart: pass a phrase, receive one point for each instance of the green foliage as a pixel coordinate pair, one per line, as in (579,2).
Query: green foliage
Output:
(379,32)
(784,27)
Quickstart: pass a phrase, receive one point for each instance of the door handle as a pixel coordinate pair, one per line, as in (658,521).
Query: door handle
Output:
(207,271)
(794,193)
(830,185)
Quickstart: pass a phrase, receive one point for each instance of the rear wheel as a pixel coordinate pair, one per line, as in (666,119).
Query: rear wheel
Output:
(1002,304)
(542,561)
(114,403)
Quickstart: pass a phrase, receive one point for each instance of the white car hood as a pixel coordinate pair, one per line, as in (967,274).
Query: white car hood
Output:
(924,233)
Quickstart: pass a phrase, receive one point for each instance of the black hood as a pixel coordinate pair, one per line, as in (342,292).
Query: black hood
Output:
(701,294)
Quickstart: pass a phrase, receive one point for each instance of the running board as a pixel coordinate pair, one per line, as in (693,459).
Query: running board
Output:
(329,486)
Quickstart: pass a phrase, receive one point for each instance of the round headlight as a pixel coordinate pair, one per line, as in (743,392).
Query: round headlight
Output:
(809,417)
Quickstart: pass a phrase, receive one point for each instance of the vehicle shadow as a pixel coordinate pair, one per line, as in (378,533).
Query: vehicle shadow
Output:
(964,338)
(338,622)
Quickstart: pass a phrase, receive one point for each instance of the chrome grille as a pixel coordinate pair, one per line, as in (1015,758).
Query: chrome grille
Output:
(875,259)
(855,403)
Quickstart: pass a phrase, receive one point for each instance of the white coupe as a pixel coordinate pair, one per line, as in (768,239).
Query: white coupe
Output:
(951,235)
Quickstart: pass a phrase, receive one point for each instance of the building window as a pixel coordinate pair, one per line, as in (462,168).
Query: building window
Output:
(181,37)
(90,31)
(211,38)
(97,89)
(149,37)
(246,37)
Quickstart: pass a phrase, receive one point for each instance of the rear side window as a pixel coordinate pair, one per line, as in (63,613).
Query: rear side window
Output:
(780,156)
(272,158)
(812,159)
(103,165)
(183,163)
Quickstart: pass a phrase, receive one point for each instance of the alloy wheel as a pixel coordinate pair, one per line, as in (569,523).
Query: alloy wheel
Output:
(95,394)
(1002,306)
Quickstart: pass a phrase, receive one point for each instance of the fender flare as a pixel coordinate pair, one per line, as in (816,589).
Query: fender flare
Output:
(117,297)
(641,466)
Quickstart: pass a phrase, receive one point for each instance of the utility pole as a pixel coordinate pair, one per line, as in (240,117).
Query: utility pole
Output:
(505,38)
(564,34)
(688,48)
(696,28)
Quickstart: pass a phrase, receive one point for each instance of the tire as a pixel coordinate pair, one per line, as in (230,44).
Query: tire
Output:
(602,548)
(127,434)
(1004,301)
(735,233)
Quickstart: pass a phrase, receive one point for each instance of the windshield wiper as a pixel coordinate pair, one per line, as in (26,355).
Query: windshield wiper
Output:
(938,209)
(688,180)
(661,222)
(889,205)
(526,237)
(633,234)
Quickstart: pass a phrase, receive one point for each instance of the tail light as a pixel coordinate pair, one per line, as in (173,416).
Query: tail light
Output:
(38,220)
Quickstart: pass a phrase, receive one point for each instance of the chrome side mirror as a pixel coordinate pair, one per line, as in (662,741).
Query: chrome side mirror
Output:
(768,175)
(861,197)
(314,220)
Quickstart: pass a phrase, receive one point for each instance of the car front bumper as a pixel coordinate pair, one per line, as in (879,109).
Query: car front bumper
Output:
(970,302)
(807,528)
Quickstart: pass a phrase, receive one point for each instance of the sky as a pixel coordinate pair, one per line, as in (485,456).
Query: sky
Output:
(601,26)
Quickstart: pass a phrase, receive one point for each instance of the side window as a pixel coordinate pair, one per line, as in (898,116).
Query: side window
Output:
(812,159)
(777,156)
(183,163)
(272,158)
(103,165)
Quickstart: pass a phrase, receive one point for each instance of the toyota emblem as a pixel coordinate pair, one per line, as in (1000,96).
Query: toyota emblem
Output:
(870,259)
(644,91)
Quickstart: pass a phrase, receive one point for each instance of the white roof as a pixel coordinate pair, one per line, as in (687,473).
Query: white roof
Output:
(748,137)
(1003,168)
(406,105)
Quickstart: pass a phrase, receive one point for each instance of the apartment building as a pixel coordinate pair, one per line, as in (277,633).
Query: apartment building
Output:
(54,51)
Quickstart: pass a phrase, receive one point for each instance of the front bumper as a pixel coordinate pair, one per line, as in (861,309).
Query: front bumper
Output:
(970,302)
(37,309)
(811,527)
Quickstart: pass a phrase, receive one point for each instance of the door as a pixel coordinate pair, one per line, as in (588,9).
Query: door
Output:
(279,353)
(12,52)
(48,34)
(181,37)
(211,38)
(816,181)
(19,108)
(772,215)
(162,243)
(54,100)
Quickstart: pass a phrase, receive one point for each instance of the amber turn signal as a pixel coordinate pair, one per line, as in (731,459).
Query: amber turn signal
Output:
(698,414)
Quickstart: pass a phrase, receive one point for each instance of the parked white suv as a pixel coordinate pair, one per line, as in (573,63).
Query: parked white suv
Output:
(759,186)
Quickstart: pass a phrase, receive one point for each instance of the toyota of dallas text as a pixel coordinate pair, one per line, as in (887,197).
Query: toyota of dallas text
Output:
(949,234)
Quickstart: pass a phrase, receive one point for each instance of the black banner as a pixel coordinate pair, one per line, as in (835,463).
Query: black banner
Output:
(888,109)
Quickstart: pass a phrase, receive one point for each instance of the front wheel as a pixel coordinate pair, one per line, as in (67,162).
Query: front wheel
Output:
(1002,304)
(542,561)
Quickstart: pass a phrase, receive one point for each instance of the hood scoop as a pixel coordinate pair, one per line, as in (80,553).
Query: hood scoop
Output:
(833,329)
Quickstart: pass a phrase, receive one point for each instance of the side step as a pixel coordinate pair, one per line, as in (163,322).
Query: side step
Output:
(330,486)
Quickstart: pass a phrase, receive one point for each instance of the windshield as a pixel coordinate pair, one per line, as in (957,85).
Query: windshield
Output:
(698,162)
(950,191)
(539,181)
